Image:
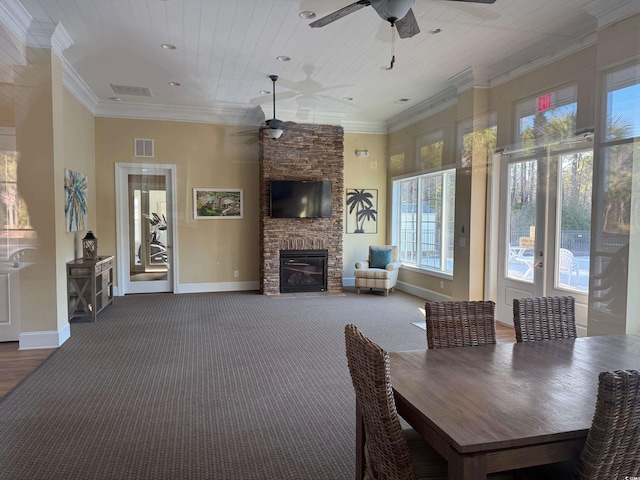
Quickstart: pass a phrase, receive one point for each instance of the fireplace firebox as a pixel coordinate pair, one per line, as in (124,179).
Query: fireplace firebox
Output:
(303,271)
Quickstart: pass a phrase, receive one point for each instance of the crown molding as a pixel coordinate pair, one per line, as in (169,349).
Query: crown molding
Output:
(611,11)
(223,115)
(535,63)
(437,103)
(60,40)
(348,124)
(471,77)
(16,18)
(370,128)
(77,86)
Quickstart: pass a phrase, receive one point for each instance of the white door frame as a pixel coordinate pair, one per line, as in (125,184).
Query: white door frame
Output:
(494,275)
(122,171)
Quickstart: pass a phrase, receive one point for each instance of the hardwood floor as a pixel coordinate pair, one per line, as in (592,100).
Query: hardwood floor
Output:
(505,333)
(16,364)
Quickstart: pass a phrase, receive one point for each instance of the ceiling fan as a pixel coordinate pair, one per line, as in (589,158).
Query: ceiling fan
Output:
(397,12)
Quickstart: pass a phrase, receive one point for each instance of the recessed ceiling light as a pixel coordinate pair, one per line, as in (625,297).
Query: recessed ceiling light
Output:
(307,14)
(434,30)
(283,58)
(115,99)
(265,92)
(347,99)
(174,84)
(401,100)
(168,46)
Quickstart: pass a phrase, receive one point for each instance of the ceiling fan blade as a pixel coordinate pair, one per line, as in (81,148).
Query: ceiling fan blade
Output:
(407,26)
(332,17)
(475,1)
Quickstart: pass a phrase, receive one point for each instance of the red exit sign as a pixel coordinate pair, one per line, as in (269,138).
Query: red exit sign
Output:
(544,102)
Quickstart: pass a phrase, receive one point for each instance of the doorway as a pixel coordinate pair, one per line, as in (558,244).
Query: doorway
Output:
(146,233)
(545,225)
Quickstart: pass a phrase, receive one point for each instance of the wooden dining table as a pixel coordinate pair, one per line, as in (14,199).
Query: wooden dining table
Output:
(501,407)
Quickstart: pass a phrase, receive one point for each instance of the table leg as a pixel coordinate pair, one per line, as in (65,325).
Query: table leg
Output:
(467,467)
(359,444)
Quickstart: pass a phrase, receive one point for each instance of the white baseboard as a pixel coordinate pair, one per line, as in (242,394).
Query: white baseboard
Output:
(51,339)
(422,292)
(216,287)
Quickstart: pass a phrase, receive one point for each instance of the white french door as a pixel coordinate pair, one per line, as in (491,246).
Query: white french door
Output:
(544,225)
(146,234)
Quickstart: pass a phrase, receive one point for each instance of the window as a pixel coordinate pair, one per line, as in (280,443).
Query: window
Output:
(16,232)
(547,118)
(477,139)
(423,220)
(429,152)
(623,104)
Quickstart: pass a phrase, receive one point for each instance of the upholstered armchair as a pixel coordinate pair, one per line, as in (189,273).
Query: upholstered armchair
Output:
(380,270)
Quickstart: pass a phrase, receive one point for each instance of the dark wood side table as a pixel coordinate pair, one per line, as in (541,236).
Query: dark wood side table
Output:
(89,286)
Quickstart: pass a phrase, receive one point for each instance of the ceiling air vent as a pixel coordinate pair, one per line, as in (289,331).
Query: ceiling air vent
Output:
(128,90)
(143,147)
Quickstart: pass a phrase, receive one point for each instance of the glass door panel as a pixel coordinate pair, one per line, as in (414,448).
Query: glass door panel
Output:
(545,225)
(149,261)
(522,187)
(574,221)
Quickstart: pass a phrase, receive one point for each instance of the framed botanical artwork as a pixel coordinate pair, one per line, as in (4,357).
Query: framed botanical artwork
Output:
(75,200)
(210,203)
(362,210)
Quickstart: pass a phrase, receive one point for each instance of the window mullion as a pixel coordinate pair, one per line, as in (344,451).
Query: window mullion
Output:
(444,215)
(418,225)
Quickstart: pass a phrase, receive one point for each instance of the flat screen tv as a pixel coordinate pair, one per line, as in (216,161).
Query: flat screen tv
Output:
(300,199)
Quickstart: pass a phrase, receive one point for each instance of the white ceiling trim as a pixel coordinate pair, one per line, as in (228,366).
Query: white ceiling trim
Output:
(60,40)
(610,11)
(330,118)
(77,86)
(549,57)
(470,78)
(227,115)
(445,99)
(369,128)
(16,18)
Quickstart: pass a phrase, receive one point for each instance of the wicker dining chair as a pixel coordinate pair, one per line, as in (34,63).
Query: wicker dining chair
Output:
(612,450)
(460,323)
(544,318)
(388,448)
(391,452)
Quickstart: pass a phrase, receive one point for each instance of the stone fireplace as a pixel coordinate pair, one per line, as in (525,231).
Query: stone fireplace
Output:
(303,152)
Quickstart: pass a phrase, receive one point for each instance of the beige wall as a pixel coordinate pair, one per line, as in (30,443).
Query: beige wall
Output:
(36,184)
(368,173)
(206,156)
(468,282)
(78,146)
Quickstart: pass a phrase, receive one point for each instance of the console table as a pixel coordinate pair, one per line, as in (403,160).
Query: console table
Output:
(90,286)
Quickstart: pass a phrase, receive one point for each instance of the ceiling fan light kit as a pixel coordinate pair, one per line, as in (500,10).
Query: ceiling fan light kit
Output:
(274,132)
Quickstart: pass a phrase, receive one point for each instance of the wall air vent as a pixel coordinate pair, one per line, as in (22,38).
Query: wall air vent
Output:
(128,90)
(143,147)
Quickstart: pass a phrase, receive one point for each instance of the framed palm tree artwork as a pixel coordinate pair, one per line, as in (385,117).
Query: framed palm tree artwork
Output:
(362,210)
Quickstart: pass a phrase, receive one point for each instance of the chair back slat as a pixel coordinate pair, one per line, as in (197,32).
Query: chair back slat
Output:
(460,323)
